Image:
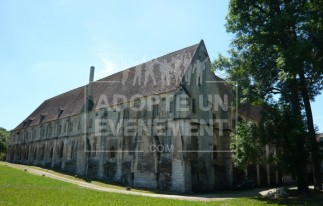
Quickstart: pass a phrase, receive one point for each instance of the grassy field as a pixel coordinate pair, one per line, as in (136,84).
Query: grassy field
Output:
(110,185)
(21,188)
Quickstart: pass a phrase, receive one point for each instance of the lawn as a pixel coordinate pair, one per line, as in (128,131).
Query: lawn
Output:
(21,188)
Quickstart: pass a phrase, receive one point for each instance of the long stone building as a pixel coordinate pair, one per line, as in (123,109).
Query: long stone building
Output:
(162,124)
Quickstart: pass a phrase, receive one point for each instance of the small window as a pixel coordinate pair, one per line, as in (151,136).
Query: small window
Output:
(126,114)
(42,117)
(49,131)
(42,134)
(73,150)
(59,112)
(193,105)
(51,153)
(61,150)
(171,106)
(70,126)
(94,147)
(59,129)
(155,110)
(215,152)
(24,123)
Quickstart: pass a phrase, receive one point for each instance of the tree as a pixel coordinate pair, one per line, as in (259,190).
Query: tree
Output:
(245,144)
(4,138)
(277,49)
(277,127)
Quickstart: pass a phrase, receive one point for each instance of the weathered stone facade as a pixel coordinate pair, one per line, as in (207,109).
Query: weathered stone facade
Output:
(170,143)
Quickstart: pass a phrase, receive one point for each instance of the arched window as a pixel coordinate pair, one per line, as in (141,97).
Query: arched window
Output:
(42,152)
(72,149)
(61,149)
(51,153)
(70,126)
(94,147)
(35,153)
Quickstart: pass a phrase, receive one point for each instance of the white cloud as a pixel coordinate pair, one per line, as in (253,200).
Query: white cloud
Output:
(110,63)
(106,67)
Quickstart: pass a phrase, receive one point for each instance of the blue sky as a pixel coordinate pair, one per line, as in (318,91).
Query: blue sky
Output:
(47,47)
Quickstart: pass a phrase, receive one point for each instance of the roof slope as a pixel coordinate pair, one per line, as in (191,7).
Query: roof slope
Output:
(145,79)
(252,112)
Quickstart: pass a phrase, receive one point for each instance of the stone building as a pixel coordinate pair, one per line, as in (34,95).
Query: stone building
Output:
(162,124)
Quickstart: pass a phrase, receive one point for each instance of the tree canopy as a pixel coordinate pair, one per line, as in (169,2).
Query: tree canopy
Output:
(4,138)
(277,50)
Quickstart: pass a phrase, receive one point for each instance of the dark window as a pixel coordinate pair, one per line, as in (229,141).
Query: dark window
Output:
(60,112)
(51,153)
(49,131)
(59,129)
(42,152)
(155,110)
(94,147)
(215,152)
(35,153)
(171,107)
(73,150)
(42,131)
(126,114)
(61,149)
(193,105)
(112,152)
(42,117)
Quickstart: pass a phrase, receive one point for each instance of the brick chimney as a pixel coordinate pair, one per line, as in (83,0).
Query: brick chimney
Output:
(90,103)
(91,74)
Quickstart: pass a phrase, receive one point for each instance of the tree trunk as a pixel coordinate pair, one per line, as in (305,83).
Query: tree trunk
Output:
(302,184)
(312,136)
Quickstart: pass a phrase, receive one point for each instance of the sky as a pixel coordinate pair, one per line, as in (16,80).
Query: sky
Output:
(47,47)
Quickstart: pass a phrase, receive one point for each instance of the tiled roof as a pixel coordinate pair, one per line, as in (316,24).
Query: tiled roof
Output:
(127,83)
(253,112)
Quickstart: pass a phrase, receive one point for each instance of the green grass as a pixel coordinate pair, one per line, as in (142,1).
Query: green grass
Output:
(95,182)
(22,188)
(101,183)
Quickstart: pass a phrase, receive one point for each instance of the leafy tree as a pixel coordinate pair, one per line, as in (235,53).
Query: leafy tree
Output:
(245,144)
(277,49)
(277,127)
(4,138)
